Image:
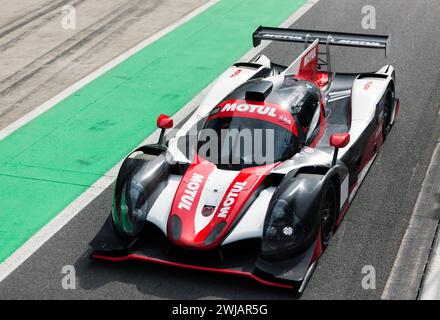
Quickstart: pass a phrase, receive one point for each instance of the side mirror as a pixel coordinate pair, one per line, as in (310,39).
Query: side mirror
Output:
(163,122)
(338,140)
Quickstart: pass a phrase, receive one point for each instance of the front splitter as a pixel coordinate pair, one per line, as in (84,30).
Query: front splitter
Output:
(245,274)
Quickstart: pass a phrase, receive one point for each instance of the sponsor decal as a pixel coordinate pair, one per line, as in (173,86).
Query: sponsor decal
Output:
(249,108)
(309,57)
(236,73)
(185,203)
(342,41)
(207,210)
(230,199)
(308,150)
(360,43)
(193,186)
(306,65)
(267,112)
(368,85)
(236,196)
(279,36)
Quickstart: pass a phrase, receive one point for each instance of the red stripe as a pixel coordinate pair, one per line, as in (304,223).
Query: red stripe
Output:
(187,197)
(318,248)
(397,108)
(264,111)
(193,267)
(309,64)
(238,193)
(343,212)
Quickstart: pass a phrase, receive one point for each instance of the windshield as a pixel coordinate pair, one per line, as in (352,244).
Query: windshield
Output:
(238,142)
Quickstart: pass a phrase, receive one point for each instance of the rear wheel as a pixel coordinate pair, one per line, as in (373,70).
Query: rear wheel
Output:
(328,213)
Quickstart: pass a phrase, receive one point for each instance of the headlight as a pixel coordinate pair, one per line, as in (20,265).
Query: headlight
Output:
(139,183)
(129,210)
(283,233)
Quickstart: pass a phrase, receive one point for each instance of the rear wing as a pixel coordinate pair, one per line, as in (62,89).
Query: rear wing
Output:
(325,37)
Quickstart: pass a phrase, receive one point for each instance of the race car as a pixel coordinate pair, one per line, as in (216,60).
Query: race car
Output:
(210,201)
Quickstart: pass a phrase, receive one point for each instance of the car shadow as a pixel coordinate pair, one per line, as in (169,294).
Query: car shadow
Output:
(156,281)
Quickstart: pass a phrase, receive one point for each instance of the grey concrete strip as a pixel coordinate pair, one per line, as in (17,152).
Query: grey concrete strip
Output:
(45,233)
(430,286)
(408,270)
(430,289)
(39,59)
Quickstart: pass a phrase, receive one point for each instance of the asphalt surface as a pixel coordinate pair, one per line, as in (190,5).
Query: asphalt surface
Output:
(39,58)
(374,225)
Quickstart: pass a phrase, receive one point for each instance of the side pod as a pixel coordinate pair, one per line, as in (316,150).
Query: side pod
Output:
(140,180)
(292,223)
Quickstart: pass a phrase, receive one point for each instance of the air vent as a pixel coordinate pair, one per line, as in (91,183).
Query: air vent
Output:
(259,91)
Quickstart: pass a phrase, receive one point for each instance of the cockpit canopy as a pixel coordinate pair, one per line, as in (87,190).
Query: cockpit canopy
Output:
(258,125)
(301,98)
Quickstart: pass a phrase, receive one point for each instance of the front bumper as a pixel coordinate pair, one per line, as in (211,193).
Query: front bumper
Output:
(241,258)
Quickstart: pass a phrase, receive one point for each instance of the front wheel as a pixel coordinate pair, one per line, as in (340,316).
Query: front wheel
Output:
(328,213)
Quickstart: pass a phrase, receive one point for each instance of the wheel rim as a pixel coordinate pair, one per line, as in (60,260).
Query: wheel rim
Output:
(328,214)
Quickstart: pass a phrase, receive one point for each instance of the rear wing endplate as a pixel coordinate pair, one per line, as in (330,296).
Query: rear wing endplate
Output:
(325,37)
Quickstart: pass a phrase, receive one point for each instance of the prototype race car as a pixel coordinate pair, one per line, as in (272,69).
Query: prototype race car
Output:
(264,199)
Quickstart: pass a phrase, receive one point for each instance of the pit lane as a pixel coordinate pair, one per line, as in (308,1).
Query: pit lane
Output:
(374,225)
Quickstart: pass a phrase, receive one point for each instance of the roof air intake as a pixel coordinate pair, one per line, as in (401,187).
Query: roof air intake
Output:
(259,91)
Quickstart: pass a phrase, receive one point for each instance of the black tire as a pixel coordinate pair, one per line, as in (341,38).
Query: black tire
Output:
(329,206)
(387,112)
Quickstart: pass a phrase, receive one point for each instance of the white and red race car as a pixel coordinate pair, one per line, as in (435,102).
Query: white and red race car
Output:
(256,182)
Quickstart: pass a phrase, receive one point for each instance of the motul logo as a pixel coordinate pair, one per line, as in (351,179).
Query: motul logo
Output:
(279,36)
(190,192)
(231,198)
(250,108)
(360,43)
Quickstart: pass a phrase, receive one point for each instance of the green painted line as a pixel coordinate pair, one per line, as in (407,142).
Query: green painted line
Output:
(50,161)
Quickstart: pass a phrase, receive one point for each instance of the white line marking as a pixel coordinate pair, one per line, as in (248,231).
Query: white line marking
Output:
(100,71)
(45,233)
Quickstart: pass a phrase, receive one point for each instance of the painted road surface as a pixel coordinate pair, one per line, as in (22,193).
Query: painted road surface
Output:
(49,162)
(41,54)
(374,226)
(38,59)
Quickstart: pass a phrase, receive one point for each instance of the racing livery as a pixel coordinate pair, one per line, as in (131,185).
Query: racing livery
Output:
(226,208)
